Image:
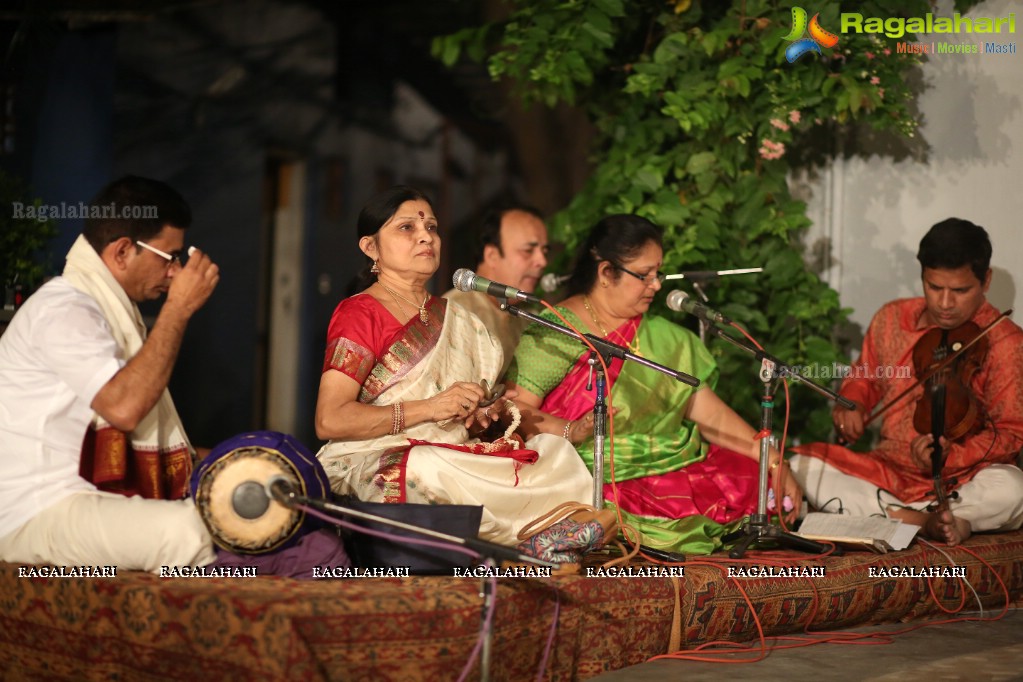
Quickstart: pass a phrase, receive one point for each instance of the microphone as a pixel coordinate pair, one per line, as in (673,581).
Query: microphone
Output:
(680,301)
(281,489)
(467,280)
(550,282)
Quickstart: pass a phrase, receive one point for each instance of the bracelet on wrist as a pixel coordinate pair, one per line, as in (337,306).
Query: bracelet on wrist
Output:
(397,418)
(568,427)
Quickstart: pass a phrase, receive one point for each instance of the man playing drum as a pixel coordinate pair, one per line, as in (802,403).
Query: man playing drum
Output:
(94,462)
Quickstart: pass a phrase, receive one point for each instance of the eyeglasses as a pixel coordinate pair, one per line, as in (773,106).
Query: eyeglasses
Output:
(171,259)
(647,279)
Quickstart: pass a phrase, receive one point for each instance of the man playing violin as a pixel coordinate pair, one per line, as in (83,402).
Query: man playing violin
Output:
(899,478)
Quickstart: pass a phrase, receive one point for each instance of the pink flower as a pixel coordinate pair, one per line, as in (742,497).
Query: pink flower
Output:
(875,80)
(869,55)
(880,93)
(887,52)
(771,150)
(779,124)
(794,116)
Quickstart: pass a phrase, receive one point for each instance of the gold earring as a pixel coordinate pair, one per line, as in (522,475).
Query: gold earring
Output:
(375,269)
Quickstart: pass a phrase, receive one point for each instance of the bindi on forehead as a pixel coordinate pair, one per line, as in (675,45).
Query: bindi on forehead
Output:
(420,215)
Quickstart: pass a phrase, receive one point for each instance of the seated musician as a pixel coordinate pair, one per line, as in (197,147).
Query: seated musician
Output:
(896,477)
(76,364)
(512,250)
(402,365)
(685,463)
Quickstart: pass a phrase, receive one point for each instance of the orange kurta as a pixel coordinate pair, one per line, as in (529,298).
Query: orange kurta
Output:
(885,369)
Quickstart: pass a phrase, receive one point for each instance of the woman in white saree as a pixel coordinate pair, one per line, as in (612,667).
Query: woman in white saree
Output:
(400,398)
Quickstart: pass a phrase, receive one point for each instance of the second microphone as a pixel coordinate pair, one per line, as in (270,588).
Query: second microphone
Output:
(467,280)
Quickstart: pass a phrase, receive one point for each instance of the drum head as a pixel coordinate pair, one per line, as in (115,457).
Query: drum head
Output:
(229,489)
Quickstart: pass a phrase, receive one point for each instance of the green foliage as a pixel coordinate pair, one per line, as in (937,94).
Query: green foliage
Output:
(551,48)
(21,238)
(697,111)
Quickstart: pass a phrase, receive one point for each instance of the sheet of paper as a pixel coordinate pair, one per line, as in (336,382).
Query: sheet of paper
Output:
(903,535)
(892,532)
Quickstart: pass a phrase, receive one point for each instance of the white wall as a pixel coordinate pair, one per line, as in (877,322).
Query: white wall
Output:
(876,209)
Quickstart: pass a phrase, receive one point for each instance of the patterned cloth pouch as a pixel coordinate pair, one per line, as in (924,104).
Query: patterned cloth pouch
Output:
(567,532)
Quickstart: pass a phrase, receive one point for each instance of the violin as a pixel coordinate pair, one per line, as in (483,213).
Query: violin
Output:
(947,408)
(939,365)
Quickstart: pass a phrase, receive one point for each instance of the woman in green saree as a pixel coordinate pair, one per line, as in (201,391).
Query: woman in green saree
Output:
(685,464)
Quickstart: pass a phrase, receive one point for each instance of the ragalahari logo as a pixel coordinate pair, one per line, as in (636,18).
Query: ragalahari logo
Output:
(819,37)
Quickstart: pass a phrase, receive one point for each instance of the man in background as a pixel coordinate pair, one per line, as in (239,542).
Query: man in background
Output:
(512,250)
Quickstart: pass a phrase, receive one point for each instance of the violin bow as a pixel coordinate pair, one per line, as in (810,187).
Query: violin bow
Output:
(942,365)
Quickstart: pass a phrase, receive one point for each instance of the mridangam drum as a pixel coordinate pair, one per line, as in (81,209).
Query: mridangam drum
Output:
(229,489)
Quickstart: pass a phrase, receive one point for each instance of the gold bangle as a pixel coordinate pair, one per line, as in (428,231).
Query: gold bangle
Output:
(397,418)
(568,427)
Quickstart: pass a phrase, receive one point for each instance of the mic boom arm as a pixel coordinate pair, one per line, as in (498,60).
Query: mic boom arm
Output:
(284,491)
(781,368)
(606,349)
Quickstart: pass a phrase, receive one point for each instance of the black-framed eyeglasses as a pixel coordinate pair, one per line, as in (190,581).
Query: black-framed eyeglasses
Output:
(171,258)
(646,279)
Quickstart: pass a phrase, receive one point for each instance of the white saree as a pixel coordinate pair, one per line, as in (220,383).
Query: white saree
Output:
(425,360)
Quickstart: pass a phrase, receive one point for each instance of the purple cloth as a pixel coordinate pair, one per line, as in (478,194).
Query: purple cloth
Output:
(319,549)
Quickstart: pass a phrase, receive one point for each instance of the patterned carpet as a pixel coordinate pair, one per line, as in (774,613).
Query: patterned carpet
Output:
(141,627)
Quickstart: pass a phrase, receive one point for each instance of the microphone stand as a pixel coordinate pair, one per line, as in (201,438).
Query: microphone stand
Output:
(607,351)
(698,276)
(757,528)
(286,494)
(703,323)
(599,422)
(486,623)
